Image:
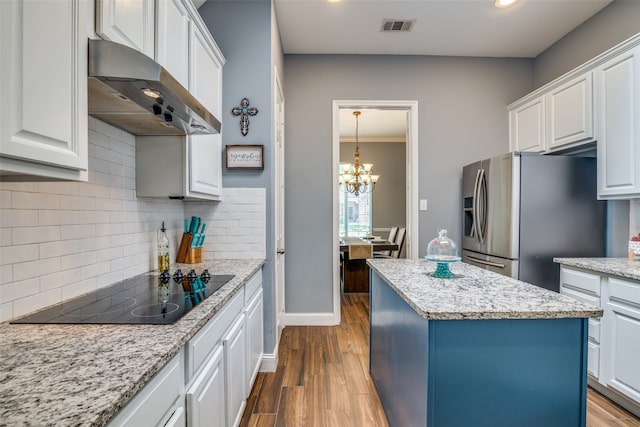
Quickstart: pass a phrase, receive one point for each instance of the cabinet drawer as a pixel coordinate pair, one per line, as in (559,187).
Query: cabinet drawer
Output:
(158,401)
(580,280)
(580,295)
(593,359)
(202,344)
(252,286)
(625,291)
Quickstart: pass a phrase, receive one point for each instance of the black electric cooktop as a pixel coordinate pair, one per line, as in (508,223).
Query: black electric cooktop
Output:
(140,300)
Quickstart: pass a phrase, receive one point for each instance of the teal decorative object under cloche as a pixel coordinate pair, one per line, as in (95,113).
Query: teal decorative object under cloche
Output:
(443,251)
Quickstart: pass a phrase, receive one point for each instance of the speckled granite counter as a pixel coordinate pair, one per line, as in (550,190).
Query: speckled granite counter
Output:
(612,266)
(475,293)
(81,375)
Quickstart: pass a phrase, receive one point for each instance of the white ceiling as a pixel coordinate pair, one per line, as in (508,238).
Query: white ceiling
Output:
(442,27)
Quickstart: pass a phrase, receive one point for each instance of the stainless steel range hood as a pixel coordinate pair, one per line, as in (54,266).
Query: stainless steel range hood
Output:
(132,92)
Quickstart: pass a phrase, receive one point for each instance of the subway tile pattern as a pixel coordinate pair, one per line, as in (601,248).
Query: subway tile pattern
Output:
(236,226)
(474,293)
(59,240)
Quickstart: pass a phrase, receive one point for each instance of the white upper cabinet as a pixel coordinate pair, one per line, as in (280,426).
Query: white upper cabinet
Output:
(43,114)
(570,112)
(205,166)
(128,22)
(206,71)
(184,167)
(172,39)
(526,126)
(617,85)
(556,119)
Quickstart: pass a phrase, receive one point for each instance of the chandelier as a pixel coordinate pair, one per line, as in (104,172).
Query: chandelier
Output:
(356,178)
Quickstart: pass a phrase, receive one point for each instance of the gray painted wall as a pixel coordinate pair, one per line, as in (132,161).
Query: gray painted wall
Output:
(462,118)
(248,37)
(612,25)
(389,196)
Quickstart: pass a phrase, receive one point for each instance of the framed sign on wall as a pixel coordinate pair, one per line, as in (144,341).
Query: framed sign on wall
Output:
(245,157)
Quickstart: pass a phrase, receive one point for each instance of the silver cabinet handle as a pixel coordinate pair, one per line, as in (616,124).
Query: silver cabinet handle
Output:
(280,251)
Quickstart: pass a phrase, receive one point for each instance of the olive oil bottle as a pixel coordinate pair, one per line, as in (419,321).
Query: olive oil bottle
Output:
(163,249)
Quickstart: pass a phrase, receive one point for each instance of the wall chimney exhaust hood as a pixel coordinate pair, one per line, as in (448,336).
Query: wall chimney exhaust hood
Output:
(130,91)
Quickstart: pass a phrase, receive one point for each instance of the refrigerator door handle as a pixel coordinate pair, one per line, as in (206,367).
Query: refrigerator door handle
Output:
(483,262)
(482,203)
(475,232)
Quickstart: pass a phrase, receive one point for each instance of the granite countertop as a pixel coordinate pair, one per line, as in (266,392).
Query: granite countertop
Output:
(613,266)
(81,375)
(474,294)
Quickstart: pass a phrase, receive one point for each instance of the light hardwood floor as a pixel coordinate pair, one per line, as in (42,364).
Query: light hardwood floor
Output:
(322,380)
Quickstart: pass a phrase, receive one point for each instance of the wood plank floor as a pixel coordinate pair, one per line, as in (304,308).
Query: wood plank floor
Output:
(322,380)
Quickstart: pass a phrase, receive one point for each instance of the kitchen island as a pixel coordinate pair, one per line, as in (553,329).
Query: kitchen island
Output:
(480,349)
(84,374)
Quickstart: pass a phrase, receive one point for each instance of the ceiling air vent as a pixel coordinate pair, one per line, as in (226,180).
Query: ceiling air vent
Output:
(396,25)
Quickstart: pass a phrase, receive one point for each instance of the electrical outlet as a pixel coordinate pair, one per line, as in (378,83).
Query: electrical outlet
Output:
(423,204)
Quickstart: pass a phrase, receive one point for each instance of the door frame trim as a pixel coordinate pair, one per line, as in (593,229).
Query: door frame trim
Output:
(411,239)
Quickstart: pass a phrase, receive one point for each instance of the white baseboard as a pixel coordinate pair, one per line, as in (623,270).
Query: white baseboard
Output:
(269,362)
(311,319)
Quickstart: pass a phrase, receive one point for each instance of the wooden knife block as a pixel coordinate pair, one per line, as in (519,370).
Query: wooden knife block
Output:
(186,254)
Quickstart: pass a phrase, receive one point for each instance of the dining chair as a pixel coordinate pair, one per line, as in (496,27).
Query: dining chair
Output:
(391,239)
(400,237)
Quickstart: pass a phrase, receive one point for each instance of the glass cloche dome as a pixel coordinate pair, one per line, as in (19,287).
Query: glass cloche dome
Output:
(443,251)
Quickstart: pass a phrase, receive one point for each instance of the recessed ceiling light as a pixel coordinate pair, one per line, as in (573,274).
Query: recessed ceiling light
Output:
(505,3)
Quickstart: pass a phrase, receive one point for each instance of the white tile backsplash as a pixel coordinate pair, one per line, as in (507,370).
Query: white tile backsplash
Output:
(62,239)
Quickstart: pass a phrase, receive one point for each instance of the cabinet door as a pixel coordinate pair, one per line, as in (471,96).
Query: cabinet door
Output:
(624,337)
(206,397)
(526,126)
(205,161)
(206,73)
(128,22)
(43,116)
(255,335)
(172,39)
(617,85)
(570,112)
(235,359)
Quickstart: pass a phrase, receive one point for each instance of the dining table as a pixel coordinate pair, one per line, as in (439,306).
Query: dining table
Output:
(354,252)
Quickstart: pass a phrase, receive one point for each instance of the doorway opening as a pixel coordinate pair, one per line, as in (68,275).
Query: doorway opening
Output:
(388,139)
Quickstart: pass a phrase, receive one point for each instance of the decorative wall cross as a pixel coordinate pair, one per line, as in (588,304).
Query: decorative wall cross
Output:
(244,111)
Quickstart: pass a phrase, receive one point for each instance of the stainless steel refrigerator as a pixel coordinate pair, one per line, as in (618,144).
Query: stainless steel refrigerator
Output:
(520,210)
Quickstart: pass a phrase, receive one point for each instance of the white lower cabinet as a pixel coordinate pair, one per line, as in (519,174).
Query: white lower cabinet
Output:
(614,340)
(159,403)
(235,359)
(622,311)
(255,333)
(206,396)
(207,383)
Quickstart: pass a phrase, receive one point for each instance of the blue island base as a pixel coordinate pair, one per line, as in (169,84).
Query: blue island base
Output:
(462,373)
